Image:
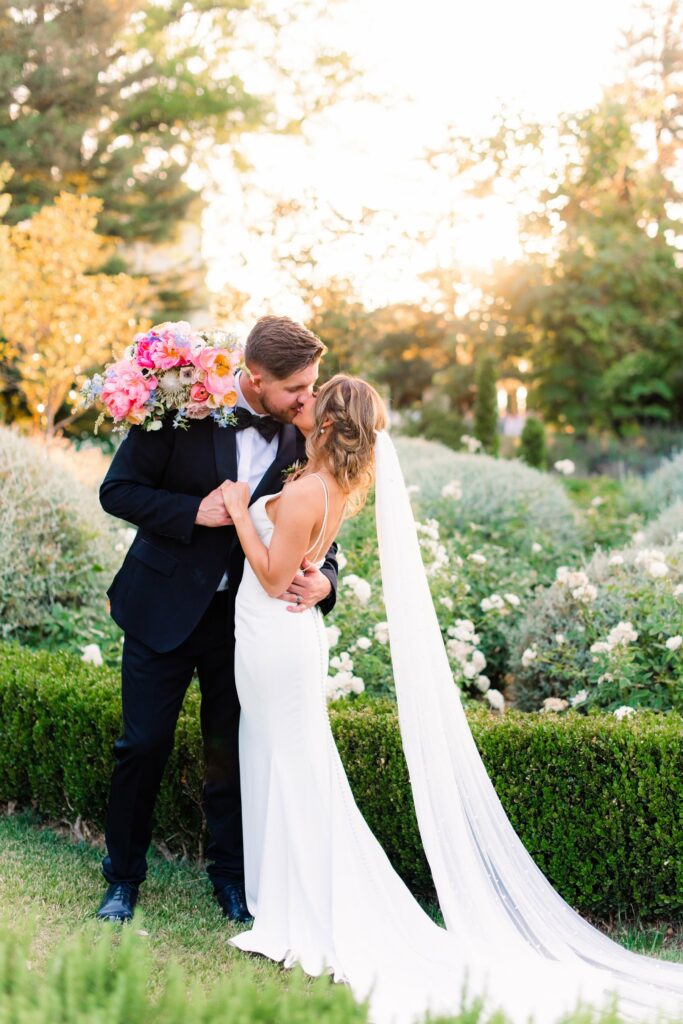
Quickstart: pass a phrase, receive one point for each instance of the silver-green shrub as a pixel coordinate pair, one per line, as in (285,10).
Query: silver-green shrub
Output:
(513,504)
(609,635)
(58,546)
(667,526)
(664,486)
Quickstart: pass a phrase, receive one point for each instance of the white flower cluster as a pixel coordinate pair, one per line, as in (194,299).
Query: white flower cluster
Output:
(452,490)
(497,603)
(431,545)
(333,634)
(382,632)
(529,656)
(473,444)
(462,647)
(565,466)
(577,583)
(477,558)
(361,588)
(344,682)
(621,635)
(674,642)
(624,712)
(653,562)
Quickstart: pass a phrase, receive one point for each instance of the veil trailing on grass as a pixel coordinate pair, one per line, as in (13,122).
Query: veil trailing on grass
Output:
(488,886)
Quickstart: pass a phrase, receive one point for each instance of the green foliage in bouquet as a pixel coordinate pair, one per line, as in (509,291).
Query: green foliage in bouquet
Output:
(595,800)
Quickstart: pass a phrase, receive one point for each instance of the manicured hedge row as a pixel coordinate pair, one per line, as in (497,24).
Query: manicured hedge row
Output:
(598,802)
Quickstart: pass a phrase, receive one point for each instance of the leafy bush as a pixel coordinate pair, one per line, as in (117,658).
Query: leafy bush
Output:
(612,510)
(434,424)
(532,444)
(595,800)
(574,637)
(106,976)
(605,454)
(58,546)
(486,407)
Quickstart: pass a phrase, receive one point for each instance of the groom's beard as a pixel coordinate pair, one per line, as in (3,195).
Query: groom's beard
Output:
(281,415)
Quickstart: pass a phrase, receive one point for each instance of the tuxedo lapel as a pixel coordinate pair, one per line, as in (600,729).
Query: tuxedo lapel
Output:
(272,480)
(225,452)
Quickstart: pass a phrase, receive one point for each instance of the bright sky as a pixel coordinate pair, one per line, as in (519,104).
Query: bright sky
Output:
(441,62)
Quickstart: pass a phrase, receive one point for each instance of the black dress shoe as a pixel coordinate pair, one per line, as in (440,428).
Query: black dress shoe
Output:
(119,902)
(233,902)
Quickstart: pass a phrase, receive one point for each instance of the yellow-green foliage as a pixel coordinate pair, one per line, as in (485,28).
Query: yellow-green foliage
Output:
(596,801)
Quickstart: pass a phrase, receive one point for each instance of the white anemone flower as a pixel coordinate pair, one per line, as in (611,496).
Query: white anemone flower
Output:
(625,711)
(496,700)
(92,655)
(529,656)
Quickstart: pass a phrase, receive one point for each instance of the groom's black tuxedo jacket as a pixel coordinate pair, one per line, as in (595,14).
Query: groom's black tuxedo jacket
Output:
(156,481)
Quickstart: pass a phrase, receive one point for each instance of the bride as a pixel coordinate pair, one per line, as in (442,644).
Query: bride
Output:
(321,889)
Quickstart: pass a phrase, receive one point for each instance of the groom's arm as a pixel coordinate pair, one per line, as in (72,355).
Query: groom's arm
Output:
(330,569)
(131,489)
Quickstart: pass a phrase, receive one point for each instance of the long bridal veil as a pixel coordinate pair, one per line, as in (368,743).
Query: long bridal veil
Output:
(488,886)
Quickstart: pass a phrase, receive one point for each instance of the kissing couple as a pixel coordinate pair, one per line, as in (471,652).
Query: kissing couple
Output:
(230,575)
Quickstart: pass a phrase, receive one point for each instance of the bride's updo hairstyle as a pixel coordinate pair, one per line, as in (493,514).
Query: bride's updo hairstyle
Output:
(347,443)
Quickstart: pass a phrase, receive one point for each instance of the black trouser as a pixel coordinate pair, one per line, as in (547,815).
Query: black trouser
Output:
(153,688)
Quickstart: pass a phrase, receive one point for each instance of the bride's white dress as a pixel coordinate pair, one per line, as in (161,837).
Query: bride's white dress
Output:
(321,889)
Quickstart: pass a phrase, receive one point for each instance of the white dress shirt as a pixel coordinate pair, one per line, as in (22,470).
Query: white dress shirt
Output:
(254,454)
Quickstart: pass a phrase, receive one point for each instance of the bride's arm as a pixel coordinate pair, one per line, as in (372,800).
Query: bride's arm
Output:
(299,508)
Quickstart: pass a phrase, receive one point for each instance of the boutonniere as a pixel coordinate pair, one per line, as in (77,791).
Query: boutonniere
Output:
(293,471)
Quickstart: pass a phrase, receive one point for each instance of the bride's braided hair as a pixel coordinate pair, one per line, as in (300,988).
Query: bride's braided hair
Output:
(347,443)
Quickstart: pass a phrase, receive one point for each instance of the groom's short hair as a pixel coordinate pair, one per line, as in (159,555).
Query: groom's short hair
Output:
(282,347)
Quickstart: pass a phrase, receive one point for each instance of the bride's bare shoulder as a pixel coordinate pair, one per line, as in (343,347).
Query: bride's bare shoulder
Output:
(307,487)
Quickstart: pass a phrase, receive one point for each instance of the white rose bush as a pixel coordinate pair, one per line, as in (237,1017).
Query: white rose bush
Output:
(531,615)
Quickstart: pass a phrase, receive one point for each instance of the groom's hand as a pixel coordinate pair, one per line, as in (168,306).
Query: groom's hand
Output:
(311,588)
(212,511)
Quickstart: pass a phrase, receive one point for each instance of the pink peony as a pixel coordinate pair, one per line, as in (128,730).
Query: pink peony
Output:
(218,373)
(198,392)
(144,352)
(126,388)
(168,353)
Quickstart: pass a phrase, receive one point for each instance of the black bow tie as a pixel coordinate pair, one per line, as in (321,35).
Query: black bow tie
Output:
(267,426)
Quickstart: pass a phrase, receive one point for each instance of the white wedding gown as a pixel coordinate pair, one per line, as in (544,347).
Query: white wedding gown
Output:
(321,889)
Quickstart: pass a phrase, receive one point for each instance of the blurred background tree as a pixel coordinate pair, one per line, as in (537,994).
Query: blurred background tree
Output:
(61,320)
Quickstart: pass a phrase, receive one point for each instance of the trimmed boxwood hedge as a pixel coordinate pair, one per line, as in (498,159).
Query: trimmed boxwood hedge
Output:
(597,802)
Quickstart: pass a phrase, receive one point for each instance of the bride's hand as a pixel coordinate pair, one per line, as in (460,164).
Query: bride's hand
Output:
(236,498)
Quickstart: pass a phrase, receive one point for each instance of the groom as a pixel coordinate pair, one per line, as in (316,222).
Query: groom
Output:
(174,597)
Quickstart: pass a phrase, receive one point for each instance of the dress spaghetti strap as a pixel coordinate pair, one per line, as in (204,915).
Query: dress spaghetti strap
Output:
(320,536)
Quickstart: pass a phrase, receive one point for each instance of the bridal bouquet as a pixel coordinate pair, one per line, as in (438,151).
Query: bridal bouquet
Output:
(169,368)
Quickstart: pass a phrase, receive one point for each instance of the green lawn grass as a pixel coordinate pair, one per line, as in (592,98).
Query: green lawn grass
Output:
(52,885)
